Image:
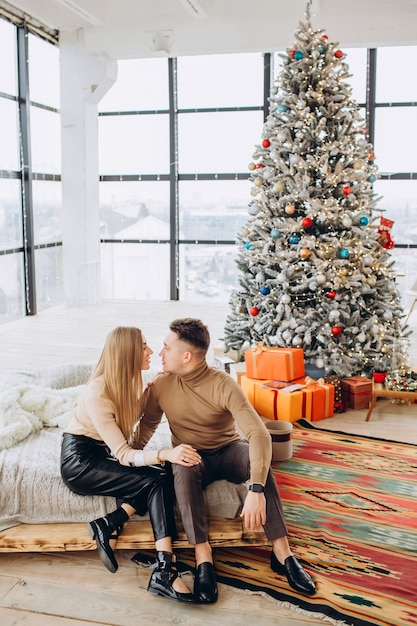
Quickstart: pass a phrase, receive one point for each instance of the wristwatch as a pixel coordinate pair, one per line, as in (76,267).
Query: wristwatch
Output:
(257,488)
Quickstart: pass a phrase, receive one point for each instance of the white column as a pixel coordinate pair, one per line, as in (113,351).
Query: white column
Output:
(85,78)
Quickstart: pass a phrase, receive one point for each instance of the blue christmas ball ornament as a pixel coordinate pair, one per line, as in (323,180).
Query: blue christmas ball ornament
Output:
(313,371)
(344,253)
(274,233)
(265,290)
(321,48)
(248,245)
(298,55)
(372,178)
(294,239)
(364,221)
(281,108)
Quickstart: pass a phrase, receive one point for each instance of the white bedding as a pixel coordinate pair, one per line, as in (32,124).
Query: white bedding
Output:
(31,488)
(26,409)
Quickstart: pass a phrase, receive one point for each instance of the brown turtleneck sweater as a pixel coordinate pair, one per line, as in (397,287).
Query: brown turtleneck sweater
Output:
(203,409)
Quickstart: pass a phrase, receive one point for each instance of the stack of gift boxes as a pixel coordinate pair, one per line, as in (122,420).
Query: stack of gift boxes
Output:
(275,382)
(277,387)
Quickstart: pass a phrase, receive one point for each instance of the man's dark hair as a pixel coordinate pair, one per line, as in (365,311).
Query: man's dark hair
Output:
(193,331)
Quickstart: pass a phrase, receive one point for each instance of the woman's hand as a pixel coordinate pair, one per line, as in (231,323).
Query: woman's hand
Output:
(184,454)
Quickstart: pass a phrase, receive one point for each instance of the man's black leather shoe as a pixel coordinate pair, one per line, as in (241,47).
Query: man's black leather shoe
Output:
(205,585)
(101,531)
(295,573)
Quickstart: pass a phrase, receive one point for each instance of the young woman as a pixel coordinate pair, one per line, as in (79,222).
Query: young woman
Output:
(102,454)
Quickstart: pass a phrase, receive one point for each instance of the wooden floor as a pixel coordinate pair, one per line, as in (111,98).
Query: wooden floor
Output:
(74,589)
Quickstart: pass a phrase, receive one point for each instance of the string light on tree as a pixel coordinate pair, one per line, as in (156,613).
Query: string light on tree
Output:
(312,271)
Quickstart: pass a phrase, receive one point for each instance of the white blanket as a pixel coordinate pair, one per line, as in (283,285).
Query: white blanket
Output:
(34,407)
(26,409)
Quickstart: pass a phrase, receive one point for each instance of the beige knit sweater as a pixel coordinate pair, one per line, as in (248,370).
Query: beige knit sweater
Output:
(94,416)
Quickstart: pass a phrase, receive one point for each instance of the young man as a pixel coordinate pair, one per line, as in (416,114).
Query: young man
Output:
(203,406)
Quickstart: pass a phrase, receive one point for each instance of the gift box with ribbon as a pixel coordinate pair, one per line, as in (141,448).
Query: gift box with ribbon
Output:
(357,392)
(274,400)
(235,356)
(318,399)
(322,401)
(248,386)
(284,364)
(339,405)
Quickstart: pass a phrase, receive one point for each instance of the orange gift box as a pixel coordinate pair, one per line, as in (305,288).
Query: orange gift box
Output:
(248,386)
(273,403)
(323,401)
(318,399)
(265,363)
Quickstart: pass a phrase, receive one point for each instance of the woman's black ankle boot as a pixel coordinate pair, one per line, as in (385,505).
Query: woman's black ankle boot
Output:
(102,530)
(164,574)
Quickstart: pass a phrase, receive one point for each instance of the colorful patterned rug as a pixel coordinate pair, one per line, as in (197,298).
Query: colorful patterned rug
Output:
(351,509)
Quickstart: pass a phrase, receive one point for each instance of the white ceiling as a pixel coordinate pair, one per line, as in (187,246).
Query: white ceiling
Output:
(146,28)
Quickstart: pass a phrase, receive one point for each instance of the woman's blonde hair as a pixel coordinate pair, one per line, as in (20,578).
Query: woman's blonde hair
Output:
(120,364)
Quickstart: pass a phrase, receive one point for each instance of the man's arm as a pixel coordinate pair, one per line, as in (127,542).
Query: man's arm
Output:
(260,454)
(250,424)
(150,420)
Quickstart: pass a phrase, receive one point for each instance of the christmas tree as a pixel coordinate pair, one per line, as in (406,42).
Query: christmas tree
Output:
(313,272)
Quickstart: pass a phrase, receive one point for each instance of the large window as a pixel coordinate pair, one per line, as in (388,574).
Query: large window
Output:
(45,144)
(174,161)
(175,140)
(395,108)
(30,205)
(12,283)
(174,171)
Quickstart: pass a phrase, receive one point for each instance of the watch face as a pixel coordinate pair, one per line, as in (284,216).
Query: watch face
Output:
(256,488)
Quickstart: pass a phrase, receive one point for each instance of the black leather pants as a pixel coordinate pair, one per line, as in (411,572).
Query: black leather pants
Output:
(87,468)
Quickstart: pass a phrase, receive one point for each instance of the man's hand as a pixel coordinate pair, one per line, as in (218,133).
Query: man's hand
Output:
(254,510)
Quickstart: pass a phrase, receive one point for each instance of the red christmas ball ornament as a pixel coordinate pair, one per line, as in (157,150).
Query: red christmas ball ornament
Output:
(371,155)
(254,311)
(347,190)
(292,52)
(336,331)
(331,294)
(266,143)
(259,166)
(307,222)
(338,54)
(325,37)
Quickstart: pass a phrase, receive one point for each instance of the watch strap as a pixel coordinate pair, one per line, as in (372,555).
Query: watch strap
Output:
(257,488)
